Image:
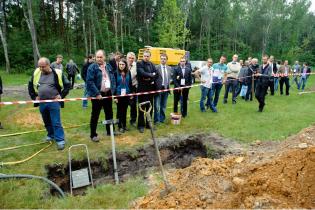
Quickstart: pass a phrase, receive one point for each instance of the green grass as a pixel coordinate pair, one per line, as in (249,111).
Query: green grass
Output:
(13,79)
(283,116)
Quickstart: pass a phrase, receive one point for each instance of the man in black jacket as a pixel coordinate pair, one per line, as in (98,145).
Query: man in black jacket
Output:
(147,76)
(90,60)
(114,61)
(263,78)
(182,77)
(48,84)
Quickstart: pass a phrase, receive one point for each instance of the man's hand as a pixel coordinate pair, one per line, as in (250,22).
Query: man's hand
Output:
(116,100)
(58,97)
(37,98)
(99,97)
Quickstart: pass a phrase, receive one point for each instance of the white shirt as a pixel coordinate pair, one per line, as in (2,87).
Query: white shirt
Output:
(163,68)
(206,76)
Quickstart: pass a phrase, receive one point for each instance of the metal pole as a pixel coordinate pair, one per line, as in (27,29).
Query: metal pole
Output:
(114,152)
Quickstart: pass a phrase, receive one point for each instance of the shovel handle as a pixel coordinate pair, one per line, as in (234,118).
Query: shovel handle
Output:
(145,103)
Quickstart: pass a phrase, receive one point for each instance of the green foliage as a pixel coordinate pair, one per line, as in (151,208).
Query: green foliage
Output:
(171,25)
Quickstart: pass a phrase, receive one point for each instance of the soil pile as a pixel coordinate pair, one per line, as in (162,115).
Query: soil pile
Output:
(268,175)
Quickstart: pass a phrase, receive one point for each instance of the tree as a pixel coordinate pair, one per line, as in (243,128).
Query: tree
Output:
(171,25)
(3,36)
(28,15)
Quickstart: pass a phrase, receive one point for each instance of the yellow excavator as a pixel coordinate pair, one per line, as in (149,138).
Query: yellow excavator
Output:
(173,55)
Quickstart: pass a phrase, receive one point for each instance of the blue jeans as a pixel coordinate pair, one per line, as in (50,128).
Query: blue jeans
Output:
(160,102)
(302,82)
(51,117)
(216,89)
(85,95)
(276,83)
(206,93)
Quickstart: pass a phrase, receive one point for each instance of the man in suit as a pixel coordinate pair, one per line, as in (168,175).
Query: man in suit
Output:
(182,78)
(147,76)
(271,83)
(162,83)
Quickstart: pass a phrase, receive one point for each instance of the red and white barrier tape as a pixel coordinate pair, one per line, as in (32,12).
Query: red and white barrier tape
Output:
(117,96)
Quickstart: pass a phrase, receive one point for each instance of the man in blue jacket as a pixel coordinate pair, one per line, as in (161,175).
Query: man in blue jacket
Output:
(100,83)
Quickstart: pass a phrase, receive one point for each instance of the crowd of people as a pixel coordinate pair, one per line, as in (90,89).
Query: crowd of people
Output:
(110,82)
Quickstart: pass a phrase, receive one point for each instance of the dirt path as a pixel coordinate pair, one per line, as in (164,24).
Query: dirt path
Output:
(267,175)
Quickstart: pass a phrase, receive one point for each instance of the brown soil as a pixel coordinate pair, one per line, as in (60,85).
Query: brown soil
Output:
(267,175)
(28,119)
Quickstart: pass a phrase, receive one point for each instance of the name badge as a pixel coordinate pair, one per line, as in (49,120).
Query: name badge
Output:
(123,92)
(182,82)
(107,84)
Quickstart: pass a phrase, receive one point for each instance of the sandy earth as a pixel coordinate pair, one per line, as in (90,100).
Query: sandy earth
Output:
(267,175)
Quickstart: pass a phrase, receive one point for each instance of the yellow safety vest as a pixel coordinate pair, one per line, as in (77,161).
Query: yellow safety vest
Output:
(36,77)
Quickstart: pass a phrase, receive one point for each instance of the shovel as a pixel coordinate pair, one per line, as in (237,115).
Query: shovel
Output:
(168,188)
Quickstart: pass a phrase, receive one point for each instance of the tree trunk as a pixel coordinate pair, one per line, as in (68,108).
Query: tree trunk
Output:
(28,15)
(5,49)
(68,43)
(3,36)
(92,25)
(84,30)
(121,34)
(61,22)
(115,12)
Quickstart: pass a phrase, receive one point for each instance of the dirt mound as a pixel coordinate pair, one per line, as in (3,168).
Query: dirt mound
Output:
(269,175)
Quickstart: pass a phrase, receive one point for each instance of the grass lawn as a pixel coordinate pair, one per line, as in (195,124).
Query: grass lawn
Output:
(283,116)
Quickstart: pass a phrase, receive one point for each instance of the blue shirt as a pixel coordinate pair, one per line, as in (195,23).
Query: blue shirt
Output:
(218,72)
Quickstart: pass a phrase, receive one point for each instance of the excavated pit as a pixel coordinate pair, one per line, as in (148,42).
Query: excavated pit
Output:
(176,152)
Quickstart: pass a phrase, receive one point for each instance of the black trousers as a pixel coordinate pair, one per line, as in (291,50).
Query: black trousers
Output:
(177,94)
(284,80)
(97,106)
(122,107)
(261,89)
(133,106)
(271,85)
(71,79)
(144,98)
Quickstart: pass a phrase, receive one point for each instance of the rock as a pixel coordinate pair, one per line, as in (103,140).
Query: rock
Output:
(303,145)
(239,159)
(238,181)
(258,142)
(226,186)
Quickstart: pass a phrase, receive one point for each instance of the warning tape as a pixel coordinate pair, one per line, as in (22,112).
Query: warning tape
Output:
(131,94)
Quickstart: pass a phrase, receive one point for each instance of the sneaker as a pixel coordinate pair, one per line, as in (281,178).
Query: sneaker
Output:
(214,110)
(126,129)
(121,130)
(95,139)
(49,139)
(233,102)
(60,146)
(1,127)
(141,130)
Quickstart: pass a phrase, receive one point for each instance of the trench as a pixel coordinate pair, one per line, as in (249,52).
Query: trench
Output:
(175,153)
